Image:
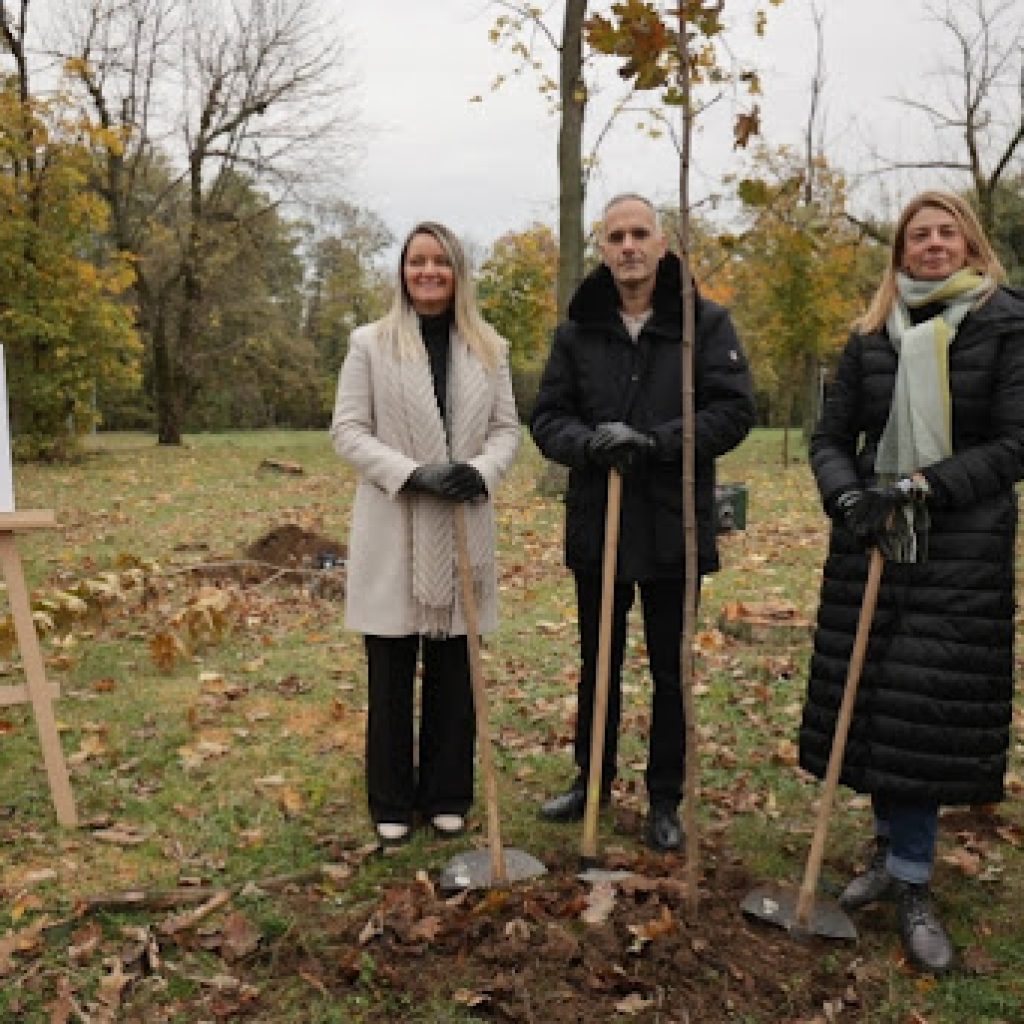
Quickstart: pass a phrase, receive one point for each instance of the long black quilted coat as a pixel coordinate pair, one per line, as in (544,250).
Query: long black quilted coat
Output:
(932,718)
(595,374)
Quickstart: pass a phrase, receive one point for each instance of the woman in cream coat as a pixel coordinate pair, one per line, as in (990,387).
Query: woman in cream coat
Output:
(425,414)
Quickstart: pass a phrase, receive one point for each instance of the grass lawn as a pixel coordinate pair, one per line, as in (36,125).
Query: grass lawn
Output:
(212,716)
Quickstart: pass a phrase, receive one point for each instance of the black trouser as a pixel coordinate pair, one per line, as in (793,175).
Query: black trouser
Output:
(447,728)
(662,606)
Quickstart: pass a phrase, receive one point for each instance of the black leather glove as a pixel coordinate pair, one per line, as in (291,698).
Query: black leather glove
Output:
(453,481)
(463,482)
(869,512)
(619,446)
(876,518)
(429,478)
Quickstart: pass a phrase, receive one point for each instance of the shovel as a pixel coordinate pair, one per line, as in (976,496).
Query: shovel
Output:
(481,869)
(799,912)
(588,848)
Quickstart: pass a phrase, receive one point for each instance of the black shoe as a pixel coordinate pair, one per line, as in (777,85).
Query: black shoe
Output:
(874,884)
(663,831)
(570,805)
(924,939)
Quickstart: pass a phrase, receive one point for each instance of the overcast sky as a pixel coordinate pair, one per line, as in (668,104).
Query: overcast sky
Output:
(489,167)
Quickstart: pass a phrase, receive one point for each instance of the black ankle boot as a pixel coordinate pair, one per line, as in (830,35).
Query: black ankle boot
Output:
(874,884)
(924,939)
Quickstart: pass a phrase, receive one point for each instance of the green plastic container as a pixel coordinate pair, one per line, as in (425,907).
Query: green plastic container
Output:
(730,507)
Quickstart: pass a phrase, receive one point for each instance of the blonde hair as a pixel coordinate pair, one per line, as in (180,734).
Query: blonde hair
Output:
(400,325)
(980,254)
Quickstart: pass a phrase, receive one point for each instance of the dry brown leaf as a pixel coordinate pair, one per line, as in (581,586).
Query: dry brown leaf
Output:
(109,993)
(518,930)
(84,942)
(240,937)
(93,746)
(633,1004)
(600,903)
(426,929)
(19,942)
(290,800)
(121,834)
(651,930)
(372,929)
(25,903)
(60,1009)
(178,922)
(964,860)
(465,997)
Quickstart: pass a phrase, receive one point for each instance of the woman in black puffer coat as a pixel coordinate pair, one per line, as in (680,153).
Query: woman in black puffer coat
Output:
(920,444)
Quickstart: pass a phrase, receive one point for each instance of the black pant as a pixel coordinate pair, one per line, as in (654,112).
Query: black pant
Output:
(447,728)
(662,605)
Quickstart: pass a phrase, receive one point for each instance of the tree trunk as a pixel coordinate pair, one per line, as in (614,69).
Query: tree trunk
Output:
(571,196)
(686,666)
(169,414)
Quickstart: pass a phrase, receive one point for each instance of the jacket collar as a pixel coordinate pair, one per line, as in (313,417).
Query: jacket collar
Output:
(596,301)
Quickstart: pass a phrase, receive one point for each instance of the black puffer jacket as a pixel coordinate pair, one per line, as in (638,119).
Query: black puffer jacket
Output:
(596,374)
(932,719)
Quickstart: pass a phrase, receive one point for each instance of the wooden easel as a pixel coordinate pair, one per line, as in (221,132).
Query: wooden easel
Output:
(36,690)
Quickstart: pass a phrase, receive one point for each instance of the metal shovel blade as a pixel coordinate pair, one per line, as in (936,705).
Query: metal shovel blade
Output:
(472,870)
(777,905)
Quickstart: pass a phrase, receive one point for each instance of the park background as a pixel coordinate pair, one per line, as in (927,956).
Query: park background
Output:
(198,208)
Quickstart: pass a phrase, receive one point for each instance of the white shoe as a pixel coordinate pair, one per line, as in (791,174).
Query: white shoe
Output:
(448,824)
(392,831)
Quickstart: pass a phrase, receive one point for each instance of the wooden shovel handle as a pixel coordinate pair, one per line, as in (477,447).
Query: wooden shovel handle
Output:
(604,647)
(476,675)
(805,900)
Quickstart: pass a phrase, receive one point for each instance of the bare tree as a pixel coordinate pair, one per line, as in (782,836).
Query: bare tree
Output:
(197,94)
(525,29)
(981,123)
(571,183)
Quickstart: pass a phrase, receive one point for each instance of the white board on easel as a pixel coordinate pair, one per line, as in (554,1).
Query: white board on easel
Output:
(6,472)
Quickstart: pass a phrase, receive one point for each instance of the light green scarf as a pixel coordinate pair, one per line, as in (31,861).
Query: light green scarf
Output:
(919,432)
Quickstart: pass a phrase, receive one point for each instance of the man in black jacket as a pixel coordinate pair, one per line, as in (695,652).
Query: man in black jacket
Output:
(611,397)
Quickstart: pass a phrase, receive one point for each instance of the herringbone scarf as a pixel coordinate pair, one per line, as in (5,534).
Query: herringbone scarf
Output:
(409,400)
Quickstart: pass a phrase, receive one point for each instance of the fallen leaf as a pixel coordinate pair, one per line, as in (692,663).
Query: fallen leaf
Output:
(426,929)
(240,937)
(19,942)
(84,942)
(633,1003)
(373,928)
(121,835)
(600,903)
(111,987)
(518,930)
(651,930)
(290,800)
(465,997)
(964,860)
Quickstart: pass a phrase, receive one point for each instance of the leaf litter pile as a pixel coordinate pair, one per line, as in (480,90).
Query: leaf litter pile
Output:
(564,949)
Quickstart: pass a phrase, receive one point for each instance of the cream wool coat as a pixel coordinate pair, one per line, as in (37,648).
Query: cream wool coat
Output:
(379,578)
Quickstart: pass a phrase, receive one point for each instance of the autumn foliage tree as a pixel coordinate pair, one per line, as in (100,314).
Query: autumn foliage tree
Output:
(516,291)
(802,272)
(65,330)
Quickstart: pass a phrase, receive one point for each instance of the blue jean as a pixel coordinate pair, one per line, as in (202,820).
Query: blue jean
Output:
(912,830)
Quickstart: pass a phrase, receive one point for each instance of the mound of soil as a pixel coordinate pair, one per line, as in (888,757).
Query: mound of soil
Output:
(290,546)
(561,950)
